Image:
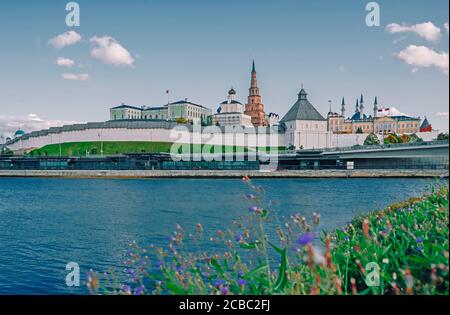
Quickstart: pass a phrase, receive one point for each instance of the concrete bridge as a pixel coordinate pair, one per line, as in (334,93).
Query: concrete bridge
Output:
(436,149)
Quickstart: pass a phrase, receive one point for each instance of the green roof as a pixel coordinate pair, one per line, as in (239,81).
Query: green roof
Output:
(302,110)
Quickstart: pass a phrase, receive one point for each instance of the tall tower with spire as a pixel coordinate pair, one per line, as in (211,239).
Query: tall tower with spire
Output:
(343,108)
(361,107)
(254,107)
(357,106)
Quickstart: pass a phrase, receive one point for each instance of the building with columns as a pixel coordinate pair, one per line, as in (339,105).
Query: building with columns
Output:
(183,109)
(254,107)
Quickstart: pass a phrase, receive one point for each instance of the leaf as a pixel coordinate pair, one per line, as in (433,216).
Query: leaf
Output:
(281,282)
(216,266)
(249,245)
(176,289)
(255,271)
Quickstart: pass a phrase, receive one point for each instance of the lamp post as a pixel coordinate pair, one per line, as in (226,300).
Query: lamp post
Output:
(60,149)
(101,144)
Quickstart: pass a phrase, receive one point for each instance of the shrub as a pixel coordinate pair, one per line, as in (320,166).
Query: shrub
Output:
(442,136)
(372,139)
(392,138)
(414,138)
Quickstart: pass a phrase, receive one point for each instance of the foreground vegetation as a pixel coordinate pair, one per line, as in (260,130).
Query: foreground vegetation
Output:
(403,249)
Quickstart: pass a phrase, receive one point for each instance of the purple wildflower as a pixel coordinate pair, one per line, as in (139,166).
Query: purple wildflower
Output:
(253,209)
(126,289)
(131,273)
(239,238)
(219,283)
(250,196)
(419,240)
(139,290)
(240,273)
(306,239)
(224,290)
(241,282)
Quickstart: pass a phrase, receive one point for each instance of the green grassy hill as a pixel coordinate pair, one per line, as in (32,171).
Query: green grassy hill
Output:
(114,148)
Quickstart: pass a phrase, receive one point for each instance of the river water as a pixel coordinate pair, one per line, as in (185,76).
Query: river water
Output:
(46,223)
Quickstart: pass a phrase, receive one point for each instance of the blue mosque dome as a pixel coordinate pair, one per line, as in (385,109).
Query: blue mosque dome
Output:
(19,133)
(357,116)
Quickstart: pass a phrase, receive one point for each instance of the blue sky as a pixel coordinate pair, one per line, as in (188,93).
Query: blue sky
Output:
(198,49)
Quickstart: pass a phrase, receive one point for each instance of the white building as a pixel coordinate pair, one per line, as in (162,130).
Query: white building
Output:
(304,126)
(124,111)
(231,113)
(188,111)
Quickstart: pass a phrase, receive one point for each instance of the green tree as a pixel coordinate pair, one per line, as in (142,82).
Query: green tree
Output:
(442,136)
(372,139)
(414,138)
(392,138)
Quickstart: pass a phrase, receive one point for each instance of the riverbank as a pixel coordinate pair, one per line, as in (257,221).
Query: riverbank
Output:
(124,174)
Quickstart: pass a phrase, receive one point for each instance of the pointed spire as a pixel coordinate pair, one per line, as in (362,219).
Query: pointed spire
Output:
(357,106)
(362,99)
(376,101)
(343,108)
(253,66)
(302,95)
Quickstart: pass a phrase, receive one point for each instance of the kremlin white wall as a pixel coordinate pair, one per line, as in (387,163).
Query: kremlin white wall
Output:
(151,135)
(309,140)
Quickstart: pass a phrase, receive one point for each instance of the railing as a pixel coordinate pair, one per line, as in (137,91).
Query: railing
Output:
(386,146)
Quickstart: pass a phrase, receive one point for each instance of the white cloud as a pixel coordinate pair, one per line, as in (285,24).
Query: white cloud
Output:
(75,77)
(108,50)
(426,30)
(65,39)
(424,57)
(342,69)
(65,62)
(442,114)
(10,124)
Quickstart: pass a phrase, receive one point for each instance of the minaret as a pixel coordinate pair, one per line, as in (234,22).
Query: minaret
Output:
(361,107)
(343,108)
(254,108)
(375,107)
(375,111)
(357,106)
